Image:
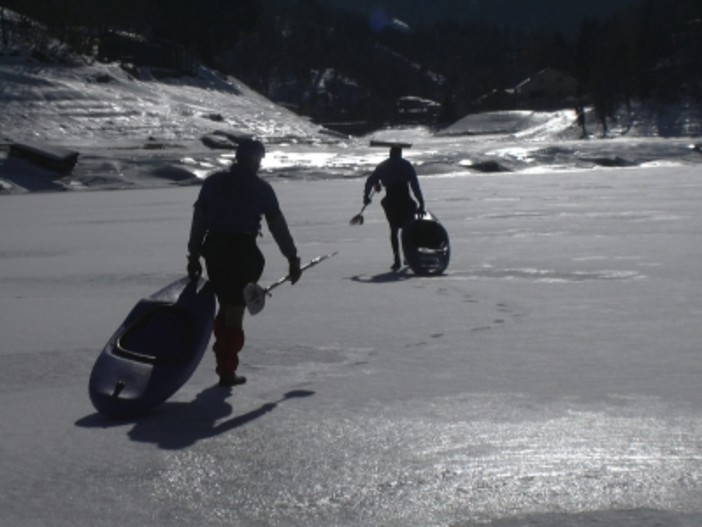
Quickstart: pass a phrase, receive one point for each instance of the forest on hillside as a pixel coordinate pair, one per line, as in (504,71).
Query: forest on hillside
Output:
(335,65)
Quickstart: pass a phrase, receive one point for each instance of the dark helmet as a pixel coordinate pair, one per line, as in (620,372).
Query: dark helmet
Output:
(395,151)
(250,149)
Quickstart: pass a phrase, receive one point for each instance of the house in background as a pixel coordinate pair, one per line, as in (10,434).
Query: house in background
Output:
(497,99)
(547,84)
(417,110)
(548,89)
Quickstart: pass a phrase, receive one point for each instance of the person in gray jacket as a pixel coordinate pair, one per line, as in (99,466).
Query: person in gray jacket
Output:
(226,222)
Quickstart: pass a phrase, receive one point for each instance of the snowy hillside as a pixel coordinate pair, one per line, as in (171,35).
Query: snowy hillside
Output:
(128,126)
(102,103)
(59,97)
(115,120)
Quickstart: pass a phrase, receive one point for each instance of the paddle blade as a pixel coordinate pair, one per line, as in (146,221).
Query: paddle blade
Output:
(357,220)
(255,298)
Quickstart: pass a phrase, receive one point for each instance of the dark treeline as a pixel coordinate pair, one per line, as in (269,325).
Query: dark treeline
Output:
(204,26)
(334,64)
(651,50)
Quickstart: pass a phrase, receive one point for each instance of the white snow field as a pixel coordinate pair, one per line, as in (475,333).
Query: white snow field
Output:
(550,378)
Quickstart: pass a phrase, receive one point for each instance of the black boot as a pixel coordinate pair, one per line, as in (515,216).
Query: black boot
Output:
(396,264)
(231,379)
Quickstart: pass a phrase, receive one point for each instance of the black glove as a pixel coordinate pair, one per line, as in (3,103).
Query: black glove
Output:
(366,200)
(295,272)
(420,210)
(194,267)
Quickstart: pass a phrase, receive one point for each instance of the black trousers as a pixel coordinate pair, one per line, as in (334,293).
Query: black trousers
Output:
(233,260)
(399,210)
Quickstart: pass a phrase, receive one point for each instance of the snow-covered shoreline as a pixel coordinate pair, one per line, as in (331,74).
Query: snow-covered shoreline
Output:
(143,132)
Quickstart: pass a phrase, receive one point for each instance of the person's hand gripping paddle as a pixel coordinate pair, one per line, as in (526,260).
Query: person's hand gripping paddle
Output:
(358,218)
(255,295)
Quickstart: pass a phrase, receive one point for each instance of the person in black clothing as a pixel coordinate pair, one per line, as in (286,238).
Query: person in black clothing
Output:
(397,175)
(226,221)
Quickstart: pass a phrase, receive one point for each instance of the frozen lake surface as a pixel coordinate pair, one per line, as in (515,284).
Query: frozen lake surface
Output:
(550,377)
